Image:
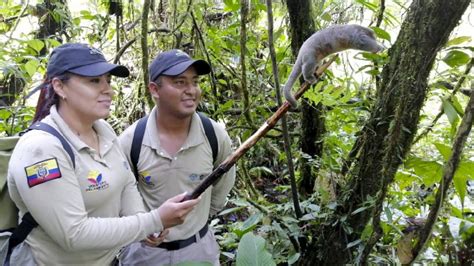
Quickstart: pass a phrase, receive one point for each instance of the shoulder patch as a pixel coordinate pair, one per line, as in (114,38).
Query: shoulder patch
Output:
(42,172)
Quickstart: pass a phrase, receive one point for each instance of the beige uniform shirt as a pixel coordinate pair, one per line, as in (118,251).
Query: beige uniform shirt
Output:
(77,209)
(163,176)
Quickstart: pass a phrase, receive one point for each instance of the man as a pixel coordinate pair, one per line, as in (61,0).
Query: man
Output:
(175,156)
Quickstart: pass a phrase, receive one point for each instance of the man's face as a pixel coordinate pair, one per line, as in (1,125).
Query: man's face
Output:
(178,95)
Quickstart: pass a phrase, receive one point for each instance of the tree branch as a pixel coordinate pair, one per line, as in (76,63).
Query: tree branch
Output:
(284,122)
(448,174)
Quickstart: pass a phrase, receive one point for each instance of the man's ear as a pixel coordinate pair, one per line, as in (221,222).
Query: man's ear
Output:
(58,87)
(153,88)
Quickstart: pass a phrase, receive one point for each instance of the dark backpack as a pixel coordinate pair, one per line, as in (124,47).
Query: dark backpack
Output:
(140,131)
(27,224)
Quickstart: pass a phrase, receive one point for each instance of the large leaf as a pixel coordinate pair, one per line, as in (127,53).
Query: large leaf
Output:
(450,111)
(463,173)
(459,40)
(248,225)
(252,252)
(456,58)
(381,33)
(444,150)
(429,171)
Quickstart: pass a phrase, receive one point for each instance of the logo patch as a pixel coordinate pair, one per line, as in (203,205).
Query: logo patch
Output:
(96,183)
(42,172)
(146,177)
(181,53)
(93,50)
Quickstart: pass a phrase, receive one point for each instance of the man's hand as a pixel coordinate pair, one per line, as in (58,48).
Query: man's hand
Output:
(156,238)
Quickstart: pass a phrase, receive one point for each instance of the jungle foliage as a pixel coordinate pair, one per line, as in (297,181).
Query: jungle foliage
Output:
(389,177)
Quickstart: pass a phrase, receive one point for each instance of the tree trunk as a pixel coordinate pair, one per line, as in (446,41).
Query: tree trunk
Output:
(312,125)
(388,134)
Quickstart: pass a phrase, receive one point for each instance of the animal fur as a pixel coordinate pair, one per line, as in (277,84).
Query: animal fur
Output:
(323,43)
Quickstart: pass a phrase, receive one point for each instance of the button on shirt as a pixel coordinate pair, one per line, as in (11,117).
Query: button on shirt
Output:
(163,176)
(77,209)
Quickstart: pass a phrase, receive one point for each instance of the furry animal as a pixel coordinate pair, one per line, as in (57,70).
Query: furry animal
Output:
(323,43)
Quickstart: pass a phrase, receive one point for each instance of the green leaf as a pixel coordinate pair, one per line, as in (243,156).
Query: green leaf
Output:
(361,209)
(381,33)
(463,173)
(459,40)
(444,150)
(326,16)
(231,5)
(252,252)
(293,258)
(368,5)
(230,210)
(354,243)
(450,111)
(457,105)
(36,44)
(248,225)
(456,58)
(429,171)
(30,67)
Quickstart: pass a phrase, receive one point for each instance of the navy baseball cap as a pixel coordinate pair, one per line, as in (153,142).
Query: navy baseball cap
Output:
(175,62)
(81,59)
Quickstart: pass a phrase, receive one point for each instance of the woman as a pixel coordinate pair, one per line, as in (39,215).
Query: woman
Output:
(77,205)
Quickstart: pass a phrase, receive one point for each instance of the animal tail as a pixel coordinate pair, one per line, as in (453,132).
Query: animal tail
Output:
(295,73)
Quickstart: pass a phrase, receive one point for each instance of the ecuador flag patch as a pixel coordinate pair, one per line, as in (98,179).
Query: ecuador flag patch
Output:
(42,172)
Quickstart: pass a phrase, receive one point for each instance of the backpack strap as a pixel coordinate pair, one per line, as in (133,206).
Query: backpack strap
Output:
(137,144)
(28,223)
(211,135)
(20,233)
(51,130)
(140,132)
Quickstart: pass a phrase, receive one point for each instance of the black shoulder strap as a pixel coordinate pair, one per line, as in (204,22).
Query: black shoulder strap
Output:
(20,233)
(51,130)
(137,144)
(211,135)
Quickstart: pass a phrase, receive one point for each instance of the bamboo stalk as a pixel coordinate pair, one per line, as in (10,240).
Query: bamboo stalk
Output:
(250,142)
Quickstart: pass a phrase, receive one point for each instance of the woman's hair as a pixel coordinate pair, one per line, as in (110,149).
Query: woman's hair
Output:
(47,97)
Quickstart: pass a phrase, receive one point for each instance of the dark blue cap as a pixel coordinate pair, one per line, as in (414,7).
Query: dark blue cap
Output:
(175,62)
(81,59)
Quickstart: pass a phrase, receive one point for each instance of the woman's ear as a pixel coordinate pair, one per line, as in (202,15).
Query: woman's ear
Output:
(58,87)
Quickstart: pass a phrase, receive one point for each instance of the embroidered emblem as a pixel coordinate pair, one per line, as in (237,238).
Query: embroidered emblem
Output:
(181,53)
(125,164)
(193,177)
(146,177)
(93,50)
(42,172)
(96,183)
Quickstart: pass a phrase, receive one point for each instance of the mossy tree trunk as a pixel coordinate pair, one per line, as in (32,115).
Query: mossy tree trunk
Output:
(388,134)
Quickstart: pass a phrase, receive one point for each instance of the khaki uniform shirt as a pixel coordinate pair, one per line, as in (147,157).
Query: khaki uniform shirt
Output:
(163,176)
(77,209)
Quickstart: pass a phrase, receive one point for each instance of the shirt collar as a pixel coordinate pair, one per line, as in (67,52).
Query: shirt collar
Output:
(195,135)
(106,134)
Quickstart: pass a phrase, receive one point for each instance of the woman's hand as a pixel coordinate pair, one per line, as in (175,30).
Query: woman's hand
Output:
(173,212)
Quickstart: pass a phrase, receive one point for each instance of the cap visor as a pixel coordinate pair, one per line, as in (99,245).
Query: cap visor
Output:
(99,69)
(201,66)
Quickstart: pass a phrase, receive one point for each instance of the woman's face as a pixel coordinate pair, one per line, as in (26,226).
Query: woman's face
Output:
(86,97)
